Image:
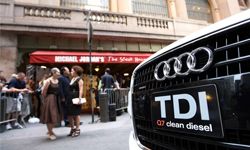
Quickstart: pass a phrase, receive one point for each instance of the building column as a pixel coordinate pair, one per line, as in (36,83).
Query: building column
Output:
(215,10)
(125,6)
(181,9)
(113,5)
(171,8)
(8,53)
(228,7)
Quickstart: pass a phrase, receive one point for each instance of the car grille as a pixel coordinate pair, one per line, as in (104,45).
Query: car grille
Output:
(231,49)
(231,56)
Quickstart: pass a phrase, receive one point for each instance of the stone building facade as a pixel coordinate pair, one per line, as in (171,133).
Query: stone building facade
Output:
(134,26)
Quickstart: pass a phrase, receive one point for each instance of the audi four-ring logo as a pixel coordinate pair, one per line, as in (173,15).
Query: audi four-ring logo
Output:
(178,63)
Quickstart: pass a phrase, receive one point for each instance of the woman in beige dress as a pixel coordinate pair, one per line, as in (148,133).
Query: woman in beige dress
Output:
(51,111)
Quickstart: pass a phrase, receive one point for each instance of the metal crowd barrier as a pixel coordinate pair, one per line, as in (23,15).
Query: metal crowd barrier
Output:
(119,97)
(13,103)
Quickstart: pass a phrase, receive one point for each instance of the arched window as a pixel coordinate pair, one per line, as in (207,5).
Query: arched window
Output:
(102,5)
(150,7)
(199,10)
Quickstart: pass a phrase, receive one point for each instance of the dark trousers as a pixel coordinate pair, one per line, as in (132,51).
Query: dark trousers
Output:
(65,117)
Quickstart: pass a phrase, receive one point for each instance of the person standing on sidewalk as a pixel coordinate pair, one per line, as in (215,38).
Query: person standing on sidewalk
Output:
(107,80)
(17,86)
(51,111)
(75,91)
(2,81)
(64,90)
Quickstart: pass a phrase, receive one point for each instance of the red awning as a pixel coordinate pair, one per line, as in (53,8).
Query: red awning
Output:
(83,57)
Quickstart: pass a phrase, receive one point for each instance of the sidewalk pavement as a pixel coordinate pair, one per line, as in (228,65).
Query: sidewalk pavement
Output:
(104,136)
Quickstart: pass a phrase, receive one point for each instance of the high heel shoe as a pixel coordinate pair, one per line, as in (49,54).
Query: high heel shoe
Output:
(71,132)
(76,133)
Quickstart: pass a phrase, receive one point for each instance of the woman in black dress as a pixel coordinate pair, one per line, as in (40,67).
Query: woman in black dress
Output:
(75,90)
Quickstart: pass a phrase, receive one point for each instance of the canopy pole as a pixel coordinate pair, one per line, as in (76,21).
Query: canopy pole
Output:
(90,63)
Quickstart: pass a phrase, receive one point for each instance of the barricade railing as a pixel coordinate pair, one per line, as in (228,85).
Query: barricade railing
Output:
(119,97)
(14,105)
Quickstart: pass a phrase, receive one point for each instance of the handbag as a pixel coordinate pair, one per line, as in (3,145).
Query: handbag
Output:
(78,101)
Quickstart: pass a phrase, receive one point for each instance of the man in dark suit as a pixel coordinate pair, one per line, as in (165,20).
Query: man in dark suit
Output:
(64,82)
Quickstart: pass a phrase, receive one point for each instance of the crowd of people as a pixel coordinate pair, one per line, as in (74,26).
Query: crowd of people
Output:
(52,96)
(57,92)
(15,92)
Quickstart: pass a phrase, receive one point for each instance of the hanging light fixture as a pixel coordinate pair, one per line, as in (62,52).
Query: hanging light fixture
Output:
(126,74)
(97,68)
(43,67)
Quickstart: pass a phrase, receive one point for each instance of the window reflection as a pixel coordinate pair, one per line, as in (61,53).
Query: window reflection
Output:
(244,4)
(199,10)
(150,7)
(99,5)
